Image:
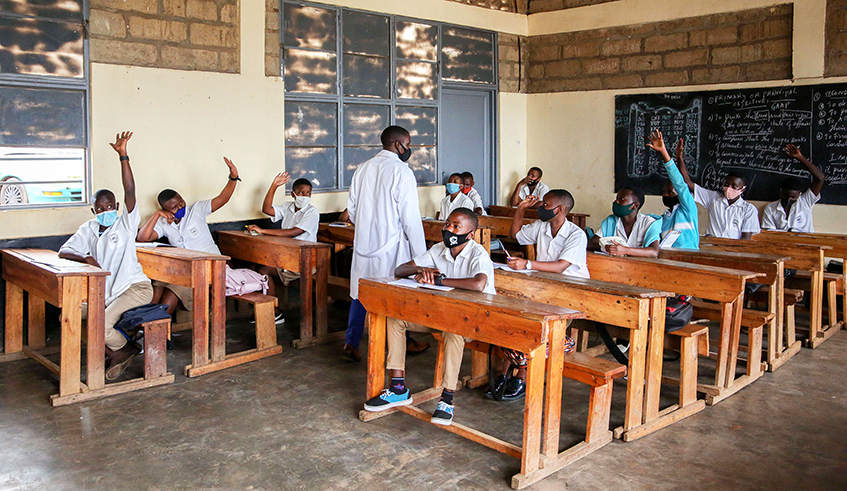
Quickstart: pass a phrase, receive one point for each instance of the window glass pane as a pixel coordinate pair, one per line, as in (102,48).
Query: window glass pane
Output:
(468,55)
(420,122)
(363,124)
(355,156)
(366,76)
(70,10)
(35,47)
(42,117)
(416,41)
(310,71)
(41,175)
(309,27)
(422,163)
(310,124)
(365,34)
(315,164)
(416,80)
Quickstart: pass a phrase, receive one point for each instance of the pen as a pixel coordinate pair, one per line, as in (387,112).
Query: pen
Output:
(508,256)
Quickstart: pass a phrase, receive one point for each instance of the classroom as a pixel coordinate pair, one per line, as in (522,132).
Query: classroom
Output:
(239,235)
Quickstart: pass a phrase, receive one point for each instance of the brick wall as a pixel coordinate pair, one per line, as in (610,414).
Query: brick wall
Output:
(180,34)
(742,46)
(536,6)
(272,59)
(836,38)
(512,53)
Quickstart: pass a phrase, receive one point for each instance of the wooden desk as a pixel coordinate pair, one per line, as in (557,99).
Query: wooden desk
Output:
(299,256)
(509,211)
(641,311)
(67,285)
(495,319)
(722,285)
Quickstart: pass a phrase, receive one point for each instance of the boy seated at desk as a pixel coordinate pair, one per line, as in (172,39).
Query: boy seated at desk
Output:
(560,248)
(530,185)
(457,262)
(455,197)
(681,216)
(792,212)
(470,192)
(108,242)
(186,227)
(298,220)
(632,233)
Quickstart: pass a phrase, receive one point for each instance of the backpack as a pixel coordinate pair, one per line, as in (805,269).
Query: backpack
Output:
(241,281)
(139,315)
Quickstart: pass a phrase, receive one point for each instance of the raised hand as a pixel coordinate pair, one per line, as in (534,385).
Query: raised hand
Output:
(281,179)
(793,151)
(528,201)
(120,142)
(680,149)
(233,171)
(657,143)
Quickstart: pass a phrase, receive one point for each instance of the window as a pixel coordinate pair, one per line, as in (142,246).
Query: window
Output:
(43,103)
(348,74)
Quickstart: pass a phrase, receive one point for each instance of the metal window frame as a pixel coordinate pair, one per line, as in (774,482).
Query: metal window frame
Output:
(81,84)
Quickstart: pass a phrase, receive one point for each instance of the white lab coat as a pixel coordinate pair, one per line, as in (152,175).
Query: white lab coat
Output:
(383,204)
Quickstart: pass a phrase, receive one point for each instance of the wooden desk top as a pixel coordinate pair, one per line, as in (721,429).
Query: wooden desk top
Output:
(336,234)
(500,226)
(180,253)
(509,211)
(836,241)
(271,240)
(606,287)
(50,262)
(729,256)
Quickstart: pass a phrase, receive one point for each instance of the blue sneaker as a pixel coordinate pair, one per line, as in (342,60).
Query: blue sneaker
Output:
(387,400)
(443,415)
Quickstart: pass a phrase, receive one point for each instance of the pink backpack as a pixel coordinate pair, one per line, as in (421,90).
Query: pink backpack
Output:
(241,281)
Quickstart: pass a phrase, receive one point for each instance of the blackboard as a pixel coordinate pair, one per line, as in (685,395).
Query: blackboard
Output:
(741,130)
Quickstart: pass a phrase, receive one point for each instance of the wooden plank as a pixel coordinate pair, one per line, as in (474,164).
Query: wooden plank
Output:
(200,313)
(805,257)
(532,412)
(50,262)
(307,295)
(232,360)
(553,397)
(322,265)
(14,326)
(38,280)
(280,252)
(155,348)
(655,345)
(73,289)
(35,323)
(159,263)
(111,389)
(376,354)
(96,341)
(40,358)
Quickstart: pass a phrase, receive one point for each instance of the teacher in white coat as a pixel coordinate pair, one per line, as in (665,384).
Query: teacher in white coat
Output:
(383,204)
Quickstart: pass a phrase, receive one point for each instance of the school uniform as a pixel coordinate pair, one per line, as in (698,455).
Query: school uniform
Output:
(306,219)
(127,286)
(727,220)
(570,244)
(473,259)
(448,205)
(477,200)
(646,230)
(683,216)
(540,190)
(799,219)
(383,204)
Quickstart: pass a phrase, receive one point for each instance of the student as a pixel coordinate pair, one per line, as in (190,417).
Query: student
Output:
(470,192)
(457,262)
(640,232)
(730,216)
(455,197)
(681,215)
(793,211)
(560,247)
(185,227)
(529,185)
(108,242)
(383,204)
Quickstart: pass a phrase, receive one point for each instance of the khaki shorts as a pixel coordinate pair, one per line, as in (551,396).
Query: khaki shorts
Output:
(183,293)
(287,277)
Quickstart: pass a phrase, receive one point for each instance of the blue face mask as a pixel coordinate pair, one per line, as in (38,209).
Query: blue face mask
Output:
(452,187)
(179,213)
(107,218)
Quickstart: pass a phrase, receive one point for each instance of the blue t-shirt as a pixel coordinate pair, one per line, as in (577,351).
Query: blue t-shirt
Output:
(683,217)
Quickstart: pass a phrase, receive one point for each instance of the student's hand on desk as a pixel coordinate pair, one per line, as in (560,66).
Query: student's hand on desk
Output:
(793,151)
(233,171)
(120,142)
(528,201)
(166,215)
(517,263)
(281,179)
(254,228)
(616,249)
(93,262)
(427,275)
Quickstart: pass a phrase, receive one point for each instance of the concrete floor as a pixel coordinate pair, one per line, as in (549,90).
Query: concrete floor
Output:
(290,422)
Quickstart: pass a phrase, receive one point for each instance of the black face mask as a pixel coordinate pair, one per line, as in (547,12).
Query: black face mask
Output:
(787,203)
(532,182)
(452,240)
(407,153)
(546,215)
(670,201)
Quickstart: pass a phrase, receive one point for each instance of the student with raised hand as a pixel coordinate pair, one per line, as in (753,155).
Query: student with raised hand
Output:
(530,185)
(185,226)
(792,212)
(459,262)
(640,232)
(478,206)
(455,197)
(681,216)
(298,220)
(108,242)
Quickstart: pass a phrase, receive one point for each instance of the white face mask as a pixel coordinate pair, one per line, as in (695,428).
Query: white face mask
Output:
(732,193)
(302,201)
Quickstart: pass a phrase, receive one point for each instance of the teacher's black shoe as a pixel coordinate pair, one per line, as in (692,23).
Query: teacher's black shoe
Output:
(515,389)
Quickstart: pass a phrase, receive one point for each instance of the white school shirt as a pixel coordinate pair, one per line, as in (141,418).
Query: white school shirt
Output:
(114,251)
(473,259)
(540,190)
(639,230)
(448,206)
(192,231)
(477,200)
(799,220)
(383,204)
(727,220)
(305,219)
(569,244)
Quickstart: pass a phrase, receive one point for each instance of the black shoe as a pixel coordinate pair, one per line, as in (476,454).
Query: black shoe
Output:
(498,382)
(515,389)
(119,360)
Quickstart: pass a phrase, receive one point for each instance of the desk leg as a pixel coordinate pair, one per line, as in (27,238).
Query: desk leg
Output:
(532,410)
(321,280)
(635,379)
(376,354)
(553,402)
(816,311)
(218,301)
(200,315)
(14,318)
(307,299)
(95,357)
(727,309)
(72,293)
(655,349)
(775,326)
(735,340)
(35,337)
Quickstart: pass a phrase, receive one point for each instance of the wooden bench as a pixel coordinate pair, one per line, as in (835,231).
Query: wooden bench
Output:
(786,339)
(688,340)
(528,327)
(509,211)
(339,288)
